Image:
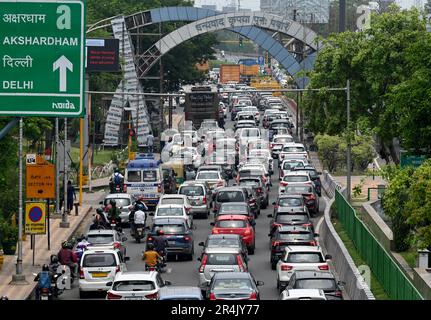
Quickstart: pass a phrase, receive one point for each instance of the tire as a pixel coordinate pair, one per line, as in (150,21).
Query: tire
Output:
(83,294)
(273,265)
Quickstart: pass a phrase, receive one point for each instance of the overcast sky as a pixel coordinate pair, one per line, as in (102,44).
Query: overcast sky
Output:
(255,4)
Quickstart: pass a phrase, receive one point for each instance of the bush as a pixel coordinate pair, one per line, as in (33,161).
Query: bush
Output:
(8,232)
(329,150)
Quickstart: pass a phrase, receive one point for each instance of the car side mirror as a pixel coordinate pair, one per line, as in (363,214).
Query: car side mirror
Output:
(274,203)
(316,235)
(201,244)
(109,284)
(269,215)
(124,239)
(212,224)
(328,257)
(101,202)
(167,283)
(260,283)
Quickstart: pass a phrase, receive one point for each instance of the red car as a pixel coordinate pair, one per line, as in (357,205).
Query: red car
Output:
(236,224)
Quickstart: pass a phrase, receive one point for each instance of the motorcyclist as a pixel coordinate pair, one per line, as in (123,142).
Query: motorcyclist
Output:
(54,264)
(67,257)
(114,212)
(151,257)
(139,217)
(44,279)
(116,180)
(160,243)
(100,220)
(81,247)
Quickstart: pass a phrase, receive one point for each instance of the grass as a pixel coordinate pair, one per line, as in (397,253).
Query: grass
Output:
(100,157)
(410,256)
(376,288)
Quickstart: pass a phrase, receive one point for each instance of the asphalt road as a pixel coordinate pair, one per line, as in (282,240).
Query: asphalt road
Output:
(186,272)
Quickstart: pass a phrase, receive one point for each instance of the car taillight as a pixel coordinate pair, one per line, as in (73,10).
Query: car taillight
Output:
(159,188)
(324,267)
(276,243)
(81,273)
(276,225)
(203,263)
(152,296)
(283,183)
(112,296)
(204,201)
(212,296)
(306,225)
(338,293)
(247,232)
(187,238)
(286,267)
(253,296)
(125,188)
(313,243)
(117,245)
(150,239)
(259,190)
(215,231)
(240,264)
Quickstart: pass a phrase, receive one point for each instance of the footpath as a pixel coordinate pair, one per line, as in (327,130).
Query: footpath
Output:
(41,253)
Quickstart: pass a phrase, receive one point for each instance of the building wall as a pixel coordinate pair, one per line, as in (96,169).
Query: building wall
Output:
(310,11)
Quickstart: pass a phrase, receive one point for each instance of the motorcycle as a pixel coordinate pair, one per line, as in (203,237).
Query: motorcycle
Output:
(139,232)
(54,291)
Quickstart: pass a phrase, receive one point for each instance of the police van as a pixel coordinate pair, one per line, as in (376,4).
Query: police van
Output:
(144,177)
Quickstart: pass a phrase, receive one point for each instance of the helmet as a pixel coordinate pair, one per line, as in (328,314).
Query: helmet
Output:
(65,244)
(116,170)
(150,246)
(45,267)
(54,259)
(139,207)
(99,210)
(160,232)
(112,202)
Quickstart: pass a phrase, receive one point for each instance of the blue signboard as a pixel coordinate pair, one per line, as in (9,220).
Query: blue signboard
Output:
(261,60)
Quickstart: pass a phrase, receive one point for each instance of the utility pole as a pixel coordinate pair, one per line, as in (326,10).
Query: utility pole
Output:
(64,221)
(162,101)
(57,170)
(349,146)
(342,16)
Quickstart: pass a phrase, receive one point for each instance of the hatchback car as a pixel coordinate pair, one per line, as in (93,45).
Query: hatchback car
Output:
(303,294)
(123,202)
(111,239)
(234,286)
(237,224)
(176,199)
(309,194)
(289,203)
(199,196)
(234,194)
(97,267)
(314,175)
(289,164)
(299,258)
(173,211)
(136,285)
(278,141)
(295,218)
(293,177)
(261,189)
(293,149)
(178,235)
(323,280)
(219,260)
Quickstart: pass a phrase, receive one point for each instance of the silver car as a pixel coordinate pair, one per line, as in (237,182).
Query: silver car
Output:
(123,202)
(199,196)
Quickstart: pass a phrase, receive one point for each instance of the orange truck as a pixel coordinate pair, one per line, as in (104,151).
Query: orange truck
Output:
(230,73)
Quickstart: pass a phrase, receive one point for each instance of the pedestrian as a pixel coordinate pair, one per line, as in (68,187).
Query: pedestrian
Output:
(71,195)
(150,142)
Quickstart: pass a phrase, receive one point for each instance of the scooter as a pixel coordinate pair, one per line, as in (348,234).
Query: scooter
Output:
(139,232)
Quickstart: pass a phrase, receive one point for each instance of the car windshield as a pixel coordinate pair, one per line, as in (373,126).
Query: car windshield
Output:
(290,202)
(299,189)
(231,224)
(259,153)
(298,236)
(208,175)
(232,243)
(291,218)
(304,257)
(192,191)
(171,228)
(293,149)
(120,202)
(133,285)
(233,208)
(221,259)
(99,260)
(172,201)
(295,178)
(134,176)
(250,173)
(283,139)
(209,125)
(100,238)
(324,284)
(233,284)
(149,175)
(230,196)
(163,212)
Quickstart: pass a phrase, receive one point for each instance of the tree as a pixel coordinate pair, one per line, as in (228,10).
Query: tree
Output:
(329,150)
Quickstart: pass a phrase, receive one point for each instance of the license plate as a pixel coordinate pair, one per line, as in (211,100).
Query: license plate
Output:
(99,274)
(132,298)
(113,224)
(44,298)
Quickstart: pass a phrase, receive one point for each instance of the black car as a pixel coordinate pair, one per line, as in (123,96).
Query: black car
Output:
(226,241)
(261,190)
(288,235)
(235,194)
(177,233)
(325,280)
(314,175)
(308,192)
(233,286)
(295,218)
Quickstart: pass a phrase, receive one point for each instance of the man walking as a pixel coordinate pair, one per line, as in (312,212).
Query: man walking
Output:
(150,142)
(71,195)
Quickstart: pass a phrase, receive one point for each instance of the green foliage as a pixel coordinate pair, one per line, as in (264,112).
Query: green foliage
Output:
(35,129)
(329,150)
(8,232)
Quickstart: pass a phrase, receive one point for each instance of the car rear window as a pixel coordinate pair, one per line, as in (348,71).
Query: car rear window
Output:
(299,236)
(149,175)
(209,175)
(120,202)
(99,260)
(250,173)
(221,259)
(230,196)
(250,183)
(296,178)
(231,224)
(289,202)
(290,218)
(293,149)
(134,285)
(222,243)
(289,165)
(232,284)
(324,284)
(100,238)
(172,201)
(283,139)
(304,257)
(171,228)
(192,191)
(233,208)
(163,212)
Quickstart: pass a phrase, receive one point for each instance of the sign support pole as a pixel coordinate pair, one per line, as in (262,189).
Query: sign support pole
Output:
(33,238)
(19,277)
(89,151)
(64,223)
(48,225)
(81,162)
(57,170)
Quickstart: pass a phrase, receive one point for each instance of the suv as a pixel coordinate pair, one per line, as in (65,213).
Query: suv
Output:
(295,218)
(299,258)
(287,203)
(287,236)
(199,196)
(136,285)
(323,280)
(219,260)
(97,267)
(289,164)
(307,192)
(314,175)
(215,179)
(278,141)
(233,286)
(296,149)
(292,178)
(225,241)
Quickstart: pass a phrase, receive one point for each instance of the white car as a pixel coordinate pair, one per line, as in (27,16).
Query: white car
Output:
(288,164)
(98,266)
(136,285)
(299,258)
(214,179)
(123,202)
(176,199)
(296,149)
(278,141)
(303,294)
(247,134)
(194,134)
(263,153)
(173,211)
(246,115)
(294,178)
(255,111)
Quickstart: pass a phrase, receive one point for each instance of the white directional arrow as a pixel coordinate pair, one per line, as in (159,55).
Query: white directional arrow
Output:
(63,64)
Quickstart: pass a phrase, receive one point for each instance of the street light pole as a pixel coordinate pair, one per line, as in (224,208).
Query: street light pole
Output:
(349,147)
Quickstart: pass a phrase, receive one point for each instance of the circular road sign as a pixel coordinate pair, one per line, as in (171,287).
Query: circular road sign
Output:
(35,214)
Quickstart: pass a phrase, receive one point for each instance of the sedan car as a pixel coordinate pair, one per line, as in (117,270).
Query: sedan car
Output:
(234,286)
(235,208)
(123,202)
(214,179)
(106,238)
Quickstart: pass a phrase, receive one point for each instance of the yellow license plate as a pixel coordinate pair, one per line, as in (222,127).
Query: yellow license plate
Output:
(99,274)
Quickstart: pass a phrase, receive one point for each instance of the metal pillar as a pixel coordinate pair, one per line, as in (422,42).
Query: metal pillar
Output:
(342,16)
(170,112)
(64,220)
(19,277)
(349,146)
(57,170)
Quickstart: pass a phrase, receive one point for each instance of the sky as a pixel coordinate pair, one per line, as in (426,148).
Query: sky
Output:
(254,4)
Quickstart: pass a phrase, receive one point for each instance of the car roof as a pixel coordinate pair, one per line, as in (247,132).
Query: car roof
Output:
(292,173)
(307,274)
(97,250)
(170,196)
(179,292)
(232,275)
(285,196)
(212,250)
(293,144)
(101,231)
(136,275)
(303,249)
(233,203)
(232,217)
(192,183)
(232,188)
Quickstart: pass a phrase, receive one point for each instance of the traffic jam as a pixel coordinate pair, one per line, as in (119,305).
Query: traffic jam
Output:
(228,212)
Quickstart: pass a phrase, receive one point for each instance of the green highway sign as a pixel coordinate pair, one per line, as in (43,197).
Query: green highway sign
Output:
(42,58)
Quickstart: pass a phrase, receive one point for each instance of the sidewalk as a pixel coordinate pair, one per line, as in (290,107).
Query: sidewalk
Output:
(42,254)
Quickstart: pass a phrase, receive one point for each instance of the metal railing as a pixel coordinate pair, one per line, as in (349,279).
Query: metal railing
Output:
(388,273)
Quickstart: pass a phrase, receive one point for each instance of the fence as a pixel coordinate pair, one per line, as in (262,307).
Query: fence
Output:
(393,280)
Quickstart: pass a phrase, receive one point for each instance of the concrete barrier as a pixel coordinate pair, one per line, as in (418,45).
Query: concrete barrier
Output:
(356,288)
(329,184)
(377,226)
